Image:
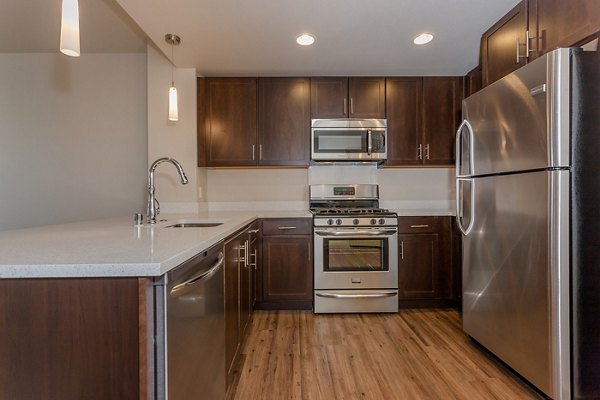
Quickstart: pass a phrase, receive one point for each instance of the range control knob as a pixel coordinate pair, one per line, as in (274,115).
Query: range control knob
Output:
(330,221)
(381,221)
(373,221)
(338,221)
(356,221)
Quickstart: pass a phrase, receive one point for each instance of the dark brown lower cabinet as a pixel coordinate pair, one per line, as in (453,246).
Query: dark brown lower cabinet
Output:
(72,339)
(426,269)
(286,271)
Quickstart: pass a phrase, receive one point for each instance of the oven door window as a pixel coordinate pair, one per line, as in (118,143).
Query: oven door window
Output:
(357,254)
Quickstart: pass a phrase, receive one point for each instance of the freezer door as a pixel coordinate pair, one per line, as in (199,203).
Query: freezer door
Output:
(520,122)
(515,274)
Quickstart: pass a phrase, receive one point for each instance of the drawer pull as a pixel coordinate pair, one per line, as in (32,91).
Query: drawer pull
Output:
(420,226)
(286,228)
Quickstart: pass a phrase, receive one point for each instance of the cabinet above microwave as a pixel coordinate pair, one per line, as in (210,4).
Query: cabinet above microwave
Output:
(348,139)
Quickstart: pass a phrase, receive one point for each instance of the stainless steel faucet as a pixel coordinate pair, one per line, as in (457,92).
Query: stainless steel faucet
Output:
(153,204)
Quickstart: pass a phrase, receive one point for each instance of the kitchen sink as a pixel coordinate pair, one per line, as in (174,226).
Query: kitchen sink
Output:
(194,225)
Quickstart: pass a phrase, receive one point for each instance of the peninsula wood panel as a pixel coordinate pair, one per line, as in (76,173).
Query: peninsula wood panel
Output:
(70,339)
(284,121)
(231,122)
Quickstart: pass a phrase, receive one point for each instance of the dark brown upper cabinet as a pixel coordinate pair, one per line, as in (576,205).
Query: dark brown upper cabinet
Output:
(403,109)
(533,28)
(473,81)
(504,46)
(230,109)
(442,97)
(284,121)
(366,97)
(340,97)
(560,23)
(423,115)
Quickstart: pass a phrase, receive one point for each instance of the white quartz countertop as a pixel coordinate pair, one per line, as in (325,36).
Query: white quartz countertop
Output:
(111,247)
(116,248)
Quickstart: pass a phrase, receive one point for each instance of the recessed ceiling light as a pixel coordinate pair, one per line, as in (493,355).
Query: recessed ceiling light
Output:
(423,38)
(305,39)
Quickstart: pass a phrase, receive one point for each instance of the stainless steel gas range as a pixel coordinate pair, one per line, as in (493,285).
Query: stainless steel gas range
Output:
(355,250)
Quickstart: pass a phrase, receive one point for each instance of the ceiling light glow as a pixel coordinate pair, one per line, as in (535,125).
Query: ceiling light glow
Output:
(305,39)
(423,38)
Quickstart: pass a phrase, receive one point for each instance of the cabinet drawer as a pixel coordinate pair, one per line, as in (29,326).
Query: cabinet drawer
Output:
(420,224)
(287,226)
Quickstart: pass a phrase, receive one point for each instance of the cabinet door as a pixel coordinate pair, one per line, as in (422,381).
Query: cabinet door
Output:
(418,266)
(366,97)
(442,97)
(245,284)
(287,271)
(403,109)
(473,81)
(426,269)
(231,122)
(284,121)
(329,97)
(499,45)
(232,304)
(560,23)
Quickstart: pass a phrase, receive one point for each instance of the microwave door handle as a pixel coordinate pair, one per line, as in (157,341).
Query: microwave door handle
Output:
(369,141)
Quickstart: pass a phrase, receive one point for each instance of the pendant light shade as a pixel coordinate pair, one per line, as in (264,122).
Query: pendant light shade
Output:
(69,28)
(173,113)
(173,40)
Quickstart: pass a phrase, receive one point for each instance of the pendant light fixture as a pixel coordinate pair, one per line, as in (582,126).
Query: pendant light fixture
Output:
(69,28)
(173,40)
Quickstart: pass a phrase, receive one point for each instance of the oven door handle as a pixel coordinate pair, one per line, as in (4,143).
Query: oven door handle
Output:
(357,296)
(363,232)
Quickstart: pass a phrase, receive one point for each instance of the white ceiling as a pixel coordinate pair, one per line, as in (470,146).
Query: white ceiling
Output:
(257,38)
(353,37)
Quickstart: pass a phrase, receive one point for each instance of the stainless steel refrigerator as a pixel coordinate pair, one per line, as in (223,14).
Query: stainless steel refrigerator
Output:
(528,205)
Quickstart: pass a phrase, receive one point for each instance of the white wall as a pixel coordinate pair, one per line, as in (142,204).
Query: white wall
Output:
(72,137)
(173,139)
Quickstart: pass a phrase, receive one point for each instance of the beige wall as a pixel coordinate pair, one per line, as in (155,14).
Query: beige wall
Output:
(399,187)
(257,185)
(72,137)
(173,139)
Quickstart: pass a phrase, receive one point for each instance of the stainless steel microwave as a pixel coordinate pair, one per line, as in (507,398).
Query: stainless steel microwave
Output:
(349,139)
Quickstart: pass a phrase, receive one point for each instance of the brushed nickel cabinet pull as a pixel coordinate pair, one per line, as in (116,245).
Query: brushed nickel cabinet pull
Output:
(420,226)
(286,228)
(402,250)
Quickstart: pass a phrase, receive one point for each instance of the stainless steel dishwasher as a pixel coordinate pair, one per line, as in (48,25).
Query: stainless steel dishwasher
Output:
(190,330)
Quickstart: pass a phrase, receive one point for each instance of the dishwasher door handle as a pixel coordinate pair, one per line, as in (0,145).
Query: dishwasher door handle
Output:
(198,278)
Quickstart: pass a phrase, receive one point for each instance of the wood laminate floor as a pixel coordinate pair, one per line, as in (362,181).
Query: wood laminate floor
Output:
(415,354)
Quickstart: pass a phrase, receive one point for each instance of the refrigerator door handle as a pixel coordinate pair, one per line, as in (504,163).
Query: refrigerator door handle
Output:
(459,205)
(459,174)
